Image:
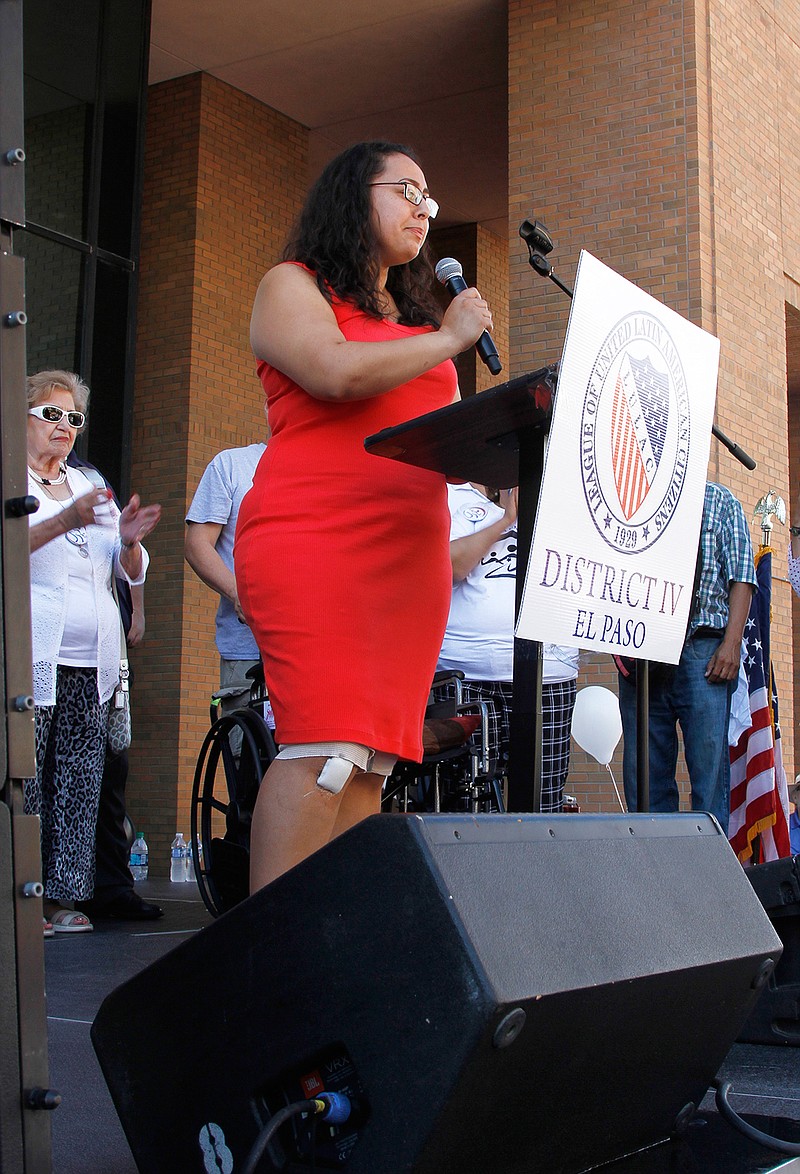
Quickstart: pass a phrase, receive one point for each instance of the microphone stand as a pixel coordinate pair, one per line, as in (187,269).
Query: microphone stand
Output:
(540,243)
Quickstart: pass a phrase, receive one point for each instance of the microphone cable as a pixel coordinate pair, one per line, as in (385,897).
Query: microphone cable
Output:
(331,1106)
(722,1089)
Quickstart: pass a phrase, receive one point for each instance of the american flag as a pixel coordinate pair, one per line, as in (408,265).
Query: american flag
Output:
(629,472)
(759,792)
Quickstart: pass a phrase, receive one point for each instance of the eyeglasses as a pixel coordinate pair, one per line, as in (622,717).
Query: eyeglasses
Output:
(411,193)
(52,414)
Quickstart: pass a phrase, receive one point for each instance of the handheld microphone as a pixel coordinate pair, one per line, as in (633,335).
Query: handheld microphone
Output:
(450,273)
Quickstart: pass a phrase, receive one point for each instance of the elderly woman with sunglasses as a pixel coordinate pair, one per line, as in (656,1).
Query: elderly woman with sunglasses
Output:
(342,560)
(78,540)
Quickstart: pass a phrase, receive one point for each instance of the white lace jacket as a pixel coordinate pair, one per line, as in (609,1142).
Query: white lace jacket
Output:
(49,598)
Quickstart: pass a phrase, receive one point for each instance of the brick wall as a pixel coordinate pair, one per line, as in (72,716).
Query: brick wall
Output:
(224,178)
(753,144)
(645,140)
(492,278)
(793,501)
(653,138)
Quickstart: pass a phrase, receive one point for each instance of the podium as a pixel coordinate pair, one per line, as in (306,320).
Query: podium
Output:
(496,438)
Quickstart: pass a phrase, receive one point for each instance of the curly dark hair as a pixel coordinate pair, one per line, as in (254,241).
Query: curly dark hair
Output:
(334,237)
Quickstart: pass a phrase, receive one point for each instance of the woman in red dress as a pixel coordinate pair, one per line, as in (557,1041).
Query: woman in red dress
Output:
(342,558)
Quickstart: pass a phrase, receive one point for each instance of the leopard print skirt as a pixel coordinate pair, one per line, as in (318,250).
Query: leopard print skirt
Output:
(70,752)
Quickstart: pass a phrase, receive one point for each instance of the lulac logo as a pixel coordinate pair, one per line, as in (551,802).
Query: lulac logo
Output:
(634,433)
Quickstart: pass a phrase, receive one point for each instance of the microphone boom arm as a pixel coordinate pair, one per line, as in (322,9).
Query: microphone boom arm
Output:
(545,269)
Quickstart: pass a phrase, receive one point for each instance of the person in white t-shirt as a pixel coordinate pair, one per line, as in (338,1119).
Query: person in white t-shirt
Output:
(479,640)
(210,533)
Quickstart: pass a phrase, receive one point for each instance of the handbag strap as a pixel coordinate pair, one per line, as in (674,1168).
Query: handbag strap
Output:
(98,480)
(124,667)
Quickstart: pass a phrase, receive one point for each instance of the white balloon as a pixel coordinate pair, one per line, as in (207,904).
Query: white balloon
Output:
(596,722)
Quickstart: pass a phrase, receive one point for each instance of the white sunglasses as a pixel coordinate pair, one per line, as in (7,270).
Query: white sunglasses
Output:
(52,414)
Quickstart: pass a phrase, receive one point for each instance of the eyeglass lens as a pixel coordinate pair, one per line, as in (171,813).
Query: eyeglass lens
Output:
(416,197)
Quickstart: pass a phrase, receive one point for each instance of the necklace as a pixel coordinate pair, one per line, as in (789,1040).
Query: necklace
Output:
(77,535)
(59,480)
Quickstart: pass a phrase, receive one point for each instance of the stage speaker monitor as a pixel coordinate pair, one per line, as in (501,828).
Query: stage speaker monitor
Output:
(496,993)
(775,1019)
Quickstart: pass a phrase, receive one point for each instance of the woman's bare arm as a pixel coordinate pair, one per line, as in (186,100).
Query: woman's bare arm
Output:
(294,329)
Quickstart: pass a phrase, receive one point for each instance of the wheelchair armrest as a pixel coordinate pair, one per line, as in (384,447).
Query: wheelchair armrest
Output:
(482,709)
(445,678)
(441,735)
(226,692)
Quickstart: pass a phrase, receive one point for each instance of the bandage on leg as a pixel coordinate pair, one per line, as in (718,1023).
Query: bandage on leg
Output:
(334,775)
(341,757)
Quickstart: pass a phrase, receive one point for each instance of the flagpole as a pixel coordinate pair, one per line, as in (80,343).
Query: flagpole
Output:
(759,826)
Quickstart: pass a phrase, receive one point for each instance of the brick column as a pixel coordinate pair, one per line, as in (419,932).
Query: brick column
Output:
(224,178)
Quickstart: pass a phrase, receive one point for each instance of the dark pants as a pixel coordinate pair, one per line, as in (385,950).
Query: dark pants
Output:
(112,876)
(703,710)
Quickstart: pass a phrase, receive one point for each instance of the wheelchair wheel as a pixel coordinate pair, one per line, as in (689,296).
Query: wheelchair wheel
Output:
(223,797)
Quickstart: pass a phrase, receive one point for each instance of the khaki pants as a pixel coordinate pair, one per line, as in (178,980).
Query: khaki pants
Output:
(232,674)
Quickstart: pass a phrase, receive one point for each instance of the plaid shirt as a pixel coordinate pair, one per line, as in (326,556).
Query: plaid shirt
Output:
(727,556)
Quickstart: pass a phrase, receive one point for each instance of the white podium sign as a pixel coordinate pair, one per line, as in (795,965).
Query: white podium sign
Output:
(614,548)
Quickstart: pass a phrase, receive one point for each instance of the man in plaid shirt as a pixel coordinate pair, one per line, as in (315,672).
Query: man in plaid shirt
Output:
(697,691)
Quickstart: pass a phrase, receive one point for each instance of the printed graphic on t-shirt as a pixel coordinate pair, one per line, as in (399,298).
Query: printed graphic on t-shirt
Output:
(502,563)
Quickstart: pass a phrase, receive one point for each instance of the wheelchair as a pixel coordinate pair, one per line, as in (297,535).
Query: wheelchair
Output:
(458,773)
(233,759)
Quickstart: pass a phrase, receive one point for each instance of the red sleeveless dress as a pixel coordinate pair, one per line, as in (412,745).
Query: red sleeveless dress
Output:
(342,559)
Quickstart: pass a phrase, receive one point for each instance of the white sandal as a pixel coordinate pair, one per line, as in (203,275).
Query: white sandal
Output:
(71,921)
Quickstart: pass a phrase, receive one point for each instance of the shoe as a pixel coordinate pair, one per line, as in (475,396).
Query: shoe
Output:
(71,921)
(128,906)
(49,932)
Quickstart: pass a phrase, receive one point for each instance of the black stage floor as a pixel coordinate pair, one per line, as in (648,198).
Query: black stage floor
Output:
(82,969)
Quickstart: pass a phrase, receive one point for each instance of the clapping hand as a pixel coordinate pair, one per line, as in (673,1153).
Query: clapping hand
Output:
(137,521)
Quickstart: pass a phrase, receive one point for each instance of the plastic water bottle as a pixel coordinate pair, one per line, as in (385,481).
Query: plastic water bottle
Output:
(177,863)
(189,871)
(139,858)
